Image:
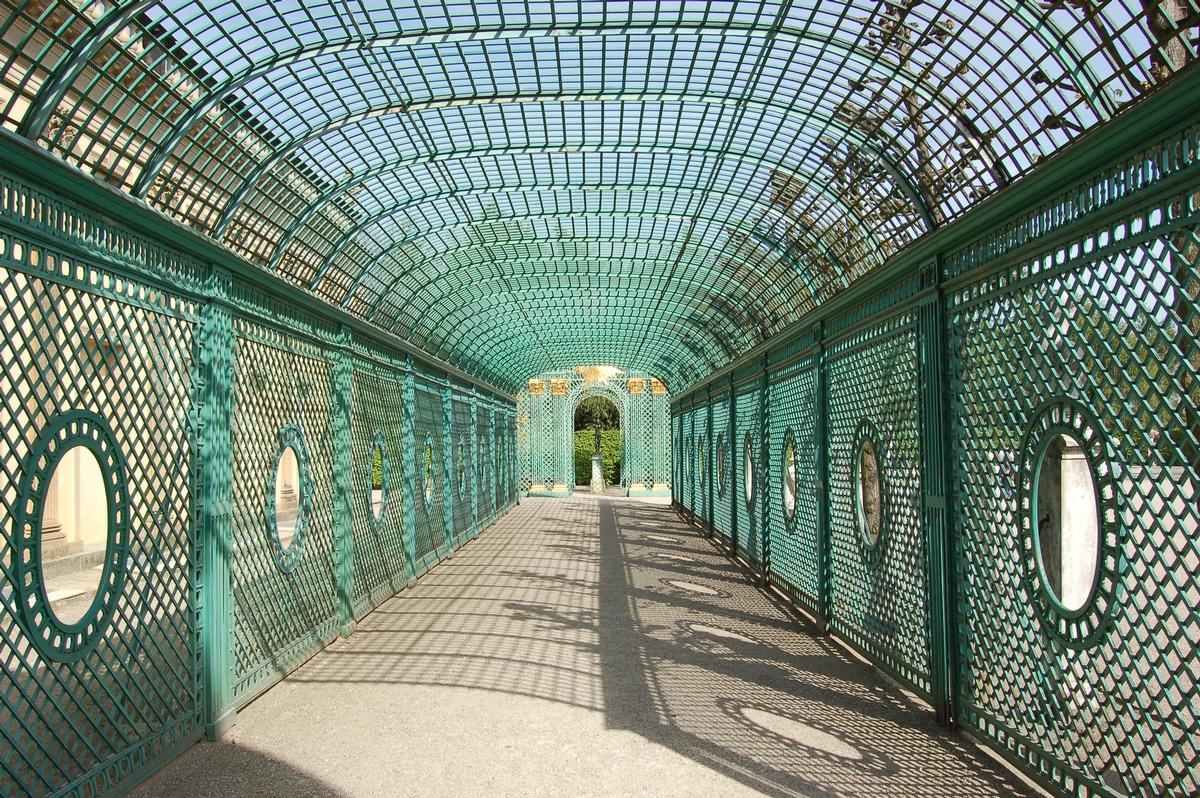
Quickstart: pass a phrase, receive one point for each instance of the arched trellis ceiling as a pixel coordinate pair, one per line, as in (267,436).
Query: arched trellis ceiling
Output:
(523,187)
(462,313)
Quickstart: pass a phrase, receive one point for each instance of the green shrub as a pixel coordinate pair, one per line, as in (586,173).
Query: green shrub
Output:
(610,453)
(376,468)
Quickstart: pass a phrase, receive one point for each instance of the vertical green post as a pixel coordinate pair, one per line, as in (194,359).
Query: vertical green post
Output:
(676,435)
(735,463)
(510,459)
(491,494)
(476,466)
(710,460)
(762,547)
(821,443)
(214,457)
(935,479)
(343,475)
(448,468)
(409,460)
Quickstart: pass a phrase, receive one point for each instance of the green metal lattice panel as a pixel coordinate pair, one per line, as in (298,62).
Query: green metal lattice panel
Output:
(503,469)
(428,472)
(545,414)
(701,460)
(284,601)
(462,472)
(684,452)
(702,464)
(510,450)
(493,463)
(1099,333)
(377,419)
(791,146)
(723,453)
(90,353)
(879,593)
(792,537)
(547,458)
(483,433)
(644,460)
(688,459)
(676,460)
(747,436)
(661,420)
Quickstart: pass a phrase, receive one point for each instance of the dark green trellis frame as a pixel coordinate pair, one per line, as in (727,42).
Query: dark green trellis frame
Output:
(940,354)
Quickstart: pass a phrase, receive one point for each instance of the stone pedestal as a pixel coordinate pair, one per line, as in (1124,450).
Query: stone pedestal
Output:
(597,474)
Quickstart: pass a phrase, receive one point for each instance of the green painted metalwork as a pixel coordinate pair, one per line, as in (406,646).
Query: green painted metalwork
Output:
(320,141)
(447,471)
(748,483)
(381,561)
(776,208)
(407,455)
(470,426)
(462,472)
(768,476)
(198,372)
(213,488)
(428,463)
(85,338)
(1073,314)
(343,390)
(1110,307)
(878,592)
(493,436)
(793,543)
(935,487)
(483,436)
(545,430)
(285,599)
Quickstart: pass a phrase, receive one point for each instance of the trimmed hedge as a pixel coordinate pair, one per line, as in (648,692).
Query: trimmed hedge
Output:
(610,452)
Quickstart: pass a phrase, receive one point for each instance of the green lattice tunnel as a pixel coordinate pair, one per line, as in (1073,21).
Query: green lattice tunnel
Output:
(871,272)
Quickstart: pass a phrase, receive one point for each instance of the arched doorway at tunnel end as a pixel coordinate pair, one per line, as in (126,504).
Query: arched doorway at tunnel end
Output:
(546,430)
